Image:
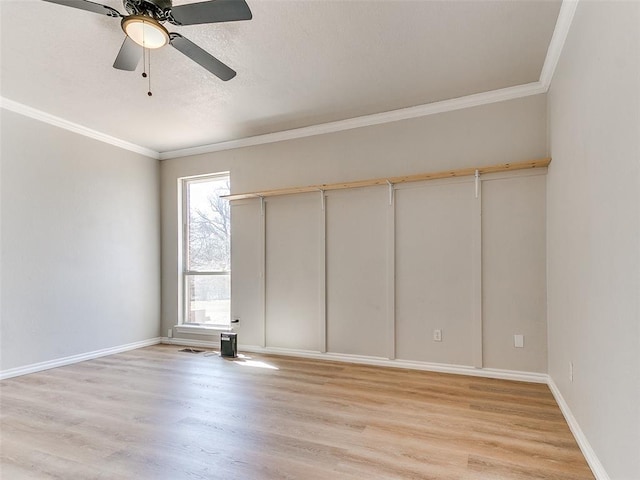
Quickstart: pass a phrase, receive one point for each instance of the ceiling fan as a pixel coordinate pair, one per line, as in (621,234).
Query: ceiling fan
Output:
(143,28)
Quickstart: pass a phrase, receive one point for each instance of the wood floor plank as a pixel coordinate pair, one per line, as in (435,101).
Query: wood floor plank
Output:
(156,413)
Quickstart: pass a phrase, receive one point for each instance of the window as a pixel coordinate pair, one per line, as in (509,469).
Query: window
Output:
(207,251)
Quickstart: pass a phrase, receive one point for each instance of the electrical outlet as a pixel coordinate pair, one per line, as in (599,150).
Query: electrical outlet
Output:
(571,372)
(518,341)
(170,333)
(437,335)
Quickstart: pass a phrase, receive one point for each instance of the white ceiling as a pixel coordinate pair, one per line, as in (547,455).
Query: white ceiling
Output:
(299,63)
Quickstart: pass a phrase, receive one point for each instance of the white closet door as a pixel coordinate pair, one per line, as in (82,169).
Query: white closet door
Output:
(434,272)
(246,271)
(293,273)
(514,273)
(357,271)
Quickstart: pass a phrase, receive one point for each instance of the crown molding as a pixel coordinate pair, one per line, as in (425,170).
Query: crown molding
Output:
(443,106)
(468,101)
(560,32)
(36,114)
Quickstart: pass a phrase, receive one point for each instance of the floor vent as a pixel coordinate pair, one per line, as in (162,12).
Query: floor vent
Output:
(191,350)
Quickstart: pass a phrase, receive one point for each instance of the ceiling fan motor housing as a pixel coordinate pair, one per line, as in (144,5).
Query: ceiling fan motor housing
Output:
(159,10)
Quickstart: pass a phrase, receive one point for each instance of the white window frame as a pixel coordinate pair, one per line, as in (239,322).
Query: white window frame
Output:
(183,326)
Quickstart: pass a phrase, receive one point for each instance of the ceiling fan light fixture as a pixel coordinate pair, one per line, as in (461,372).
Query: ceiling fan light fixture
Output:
(145,31)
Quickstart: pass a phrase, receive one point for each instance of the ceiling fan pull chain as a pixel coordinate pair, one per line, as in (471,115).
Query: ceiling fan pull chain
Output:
(144,54)
(144,62)
(149,56)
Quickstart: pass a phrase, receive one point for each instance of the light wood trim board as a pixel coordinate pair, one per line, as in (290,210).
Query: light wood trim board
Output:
(461,172)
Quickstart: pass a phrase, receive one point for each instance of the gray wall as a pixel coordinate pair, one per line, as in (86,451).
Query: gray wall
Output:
(357,236)
(594,230)
(80,244)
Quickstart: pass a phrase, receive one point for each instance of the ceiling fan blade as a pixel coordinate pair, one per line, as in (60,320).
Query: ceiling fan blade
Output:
(205,59)
(128,56)
(88,6)
(211,12)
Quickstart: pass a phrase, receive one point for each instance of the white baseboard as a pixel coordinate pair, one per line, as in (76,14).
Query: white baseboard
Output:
(376,361)
(408,364)
(59,362)
(592,459)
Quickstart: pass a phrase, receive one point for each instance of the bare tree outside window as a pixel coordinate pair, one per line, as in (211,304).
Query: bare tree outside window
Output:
(209,227)
(208,251)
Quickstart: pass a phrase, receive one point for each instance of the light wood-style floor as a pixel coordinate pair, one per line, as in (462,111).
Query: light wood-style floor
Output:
(155,413)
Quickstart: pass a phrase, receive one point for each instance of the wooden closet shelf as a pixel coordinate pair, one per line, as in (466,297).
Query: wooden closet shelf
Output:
(461,172)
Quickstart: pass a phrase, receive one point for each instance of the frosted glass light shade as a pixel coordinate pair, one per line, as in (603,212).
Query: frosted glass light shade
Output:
(145,31)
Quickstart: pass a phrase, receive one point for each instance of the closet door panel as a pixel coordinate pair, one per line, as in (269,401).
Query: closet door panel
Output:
(246,271)
(514,272)
(293,271)
(357,273)
(434,272)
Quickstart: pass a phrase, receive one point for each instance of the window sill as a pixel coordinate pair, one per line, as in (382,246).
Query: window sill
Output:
(201,329)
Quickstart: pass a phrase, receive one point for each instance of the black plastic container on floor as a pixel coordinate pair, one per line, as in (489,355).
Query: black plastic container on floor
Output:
(229,344)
